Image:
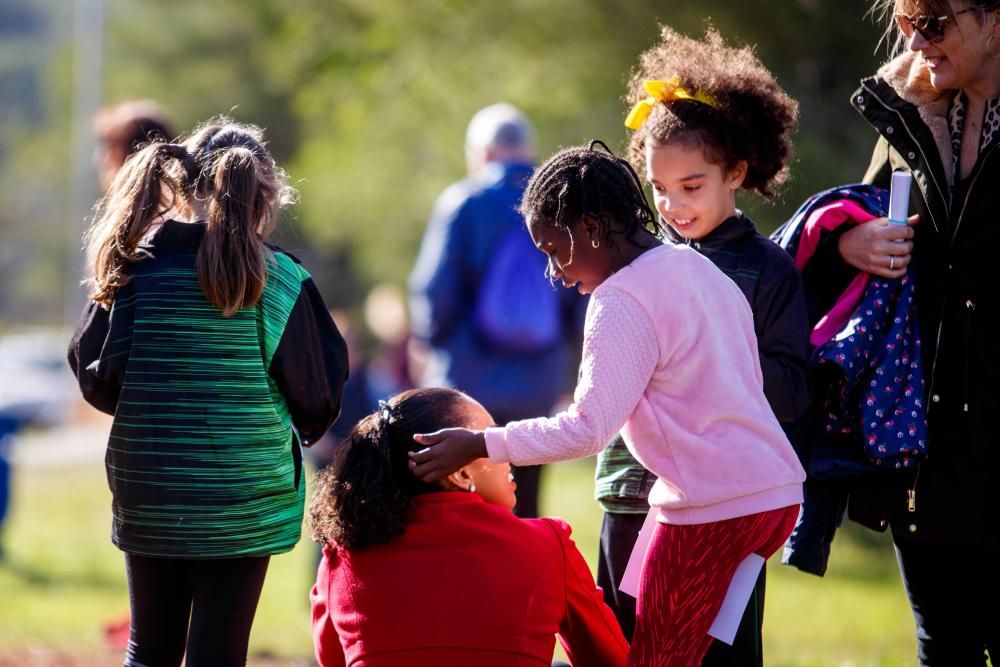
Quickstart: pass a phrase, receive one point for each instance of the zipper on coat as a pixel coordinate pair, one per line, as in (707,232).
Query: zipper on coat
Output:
(972,184)
(920,148)
(970,310)
(958,222)
(937,349)
(911,493)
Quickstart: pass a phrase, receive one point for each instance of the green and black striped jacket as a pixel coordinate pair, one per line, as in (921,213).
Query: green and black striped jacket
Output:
(203,460)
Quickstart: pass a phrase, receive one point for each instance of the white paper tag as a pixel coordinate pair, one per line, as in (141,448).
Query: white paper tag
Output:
(737,597)
(727,622)
(633,571)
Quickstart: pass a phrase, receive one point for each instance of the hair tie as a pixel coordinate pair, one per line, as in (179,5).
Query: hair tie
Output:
(379,435)
(180,153)
(173,150)
(386,414)
(594,143)
(664,91)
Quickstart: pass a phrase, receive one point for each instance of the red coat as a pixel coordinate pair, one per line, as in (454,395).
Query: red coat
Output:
(468,583)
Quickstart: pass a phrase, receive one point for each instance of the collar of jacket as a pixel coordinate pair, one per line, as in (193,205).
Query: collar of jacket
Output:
(177,235)
(448,498)
(509,174)
(732,229)
(912,116)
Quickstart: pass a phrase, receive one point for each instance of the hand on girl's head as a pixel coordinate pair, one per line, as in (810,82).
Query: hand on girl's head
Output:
(447,450)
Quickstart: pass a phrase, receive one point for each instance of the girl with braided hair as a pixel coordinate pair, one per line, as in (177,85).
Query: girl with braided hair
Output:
(710,121)
(670,359)
(218,359)
(443,574)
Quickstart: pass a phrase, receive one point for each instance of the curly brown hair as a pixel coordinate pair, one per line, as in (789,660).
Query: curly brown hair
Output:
(752,120)
(364,496)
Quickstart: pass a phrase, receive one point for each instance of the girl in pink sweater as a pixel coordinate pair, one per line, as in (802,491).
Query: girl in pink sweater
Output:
(670,359)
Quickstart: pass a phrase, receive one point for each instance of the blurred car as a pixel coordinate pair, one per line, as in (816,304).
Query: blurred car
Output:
(36,385)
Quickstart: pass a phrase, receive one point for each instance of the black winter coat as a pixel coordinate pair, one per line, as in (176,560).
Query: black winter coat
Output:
(951,496)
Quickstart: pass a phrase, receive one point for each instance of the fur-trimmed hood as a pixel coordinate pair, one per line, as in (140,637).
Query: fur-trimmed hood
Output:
(907,75)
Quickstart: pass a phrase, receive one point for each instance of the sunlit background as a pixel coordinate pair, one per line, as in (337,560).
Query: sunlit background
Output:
(365,103)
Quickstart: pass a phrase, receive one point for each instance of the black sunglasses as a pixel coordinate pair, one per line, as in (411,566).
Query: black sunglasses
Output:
(931,28)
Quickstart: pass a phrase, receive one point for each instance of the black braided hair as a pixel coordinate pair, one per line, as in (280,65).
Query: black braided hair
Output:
(589,181)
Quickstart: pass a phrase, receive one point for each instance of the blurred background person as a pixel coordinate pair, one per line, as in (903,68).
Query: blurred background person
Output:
(122,129)
(481,300)
(387,318)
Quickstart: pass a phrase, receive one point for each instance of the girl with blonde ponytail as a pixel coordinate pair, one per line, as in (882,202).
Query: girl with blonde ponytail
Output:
(217,357)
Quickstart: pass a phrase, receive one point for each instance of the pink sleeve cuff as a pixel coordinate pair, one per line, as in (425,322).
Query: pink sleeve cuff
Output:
(496,444)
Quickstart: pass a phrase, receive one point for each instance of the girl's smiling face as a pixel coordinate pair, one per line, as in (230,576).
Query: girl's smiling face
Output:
(693,195)
(573,259)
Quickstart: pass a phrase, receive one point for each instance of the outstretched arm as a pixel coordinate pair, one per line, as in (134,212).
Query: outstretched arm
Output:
(614,374)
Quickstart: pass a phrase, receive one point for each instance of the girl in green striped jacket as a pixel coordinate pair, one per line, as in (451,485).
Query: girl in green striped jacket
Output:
(217,357)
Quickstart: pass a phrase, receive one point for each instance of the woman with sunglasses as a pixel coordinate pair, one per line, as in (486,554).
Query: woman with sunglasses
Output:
(936,108)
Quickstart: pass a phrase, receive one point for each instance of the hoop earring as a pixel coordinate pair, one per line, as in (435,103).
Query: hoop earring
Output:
(989,49)
(595,244)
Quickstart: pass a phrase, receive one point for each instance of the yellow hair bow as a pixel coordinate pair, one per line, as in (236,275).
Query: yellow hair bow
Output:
(663,91)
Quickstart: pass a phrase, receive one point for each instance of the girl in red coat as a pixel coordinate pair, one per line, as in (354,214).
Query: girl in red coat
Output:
(444,574)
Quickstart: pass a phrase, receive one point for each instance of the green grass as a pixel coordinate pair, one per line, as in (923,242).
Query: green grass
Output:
(62,579)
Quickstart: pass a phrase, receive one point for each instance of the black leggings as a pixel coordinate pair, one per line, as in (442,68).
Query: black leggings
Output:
(216,598)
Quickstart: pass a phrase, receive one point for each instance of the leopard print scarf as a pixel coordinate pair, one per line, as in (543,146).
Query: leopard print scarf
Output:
(956,121)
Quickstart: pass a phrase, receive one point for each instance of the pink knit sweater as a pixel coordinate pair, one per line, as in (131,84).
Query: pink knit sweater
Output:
(670,359)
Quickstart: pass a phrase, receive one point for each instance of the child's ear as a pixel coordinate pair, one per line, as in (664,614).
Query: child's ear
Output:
(460,480)
(593,228)
(736,175)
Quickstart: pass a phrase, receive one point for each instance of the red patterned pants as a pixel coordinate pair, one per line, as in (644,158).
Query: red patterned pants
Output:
(687,572)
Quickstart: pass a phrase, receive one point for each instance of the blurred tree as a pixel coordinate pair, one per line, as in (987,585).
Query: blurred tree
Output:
(366,101)
(34,135)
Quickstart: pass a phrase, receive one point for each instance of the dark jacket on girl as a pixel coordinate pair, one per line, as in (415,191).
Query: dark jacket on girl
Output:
(203,460)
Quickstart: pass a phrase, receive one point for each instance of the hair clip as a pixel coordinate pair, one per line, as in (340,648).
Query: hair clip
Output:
(384,412)
(664,91)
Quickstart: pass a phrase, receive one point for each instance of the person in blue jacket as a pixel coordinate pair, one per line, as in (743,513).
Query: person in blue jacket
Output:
(458,291)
